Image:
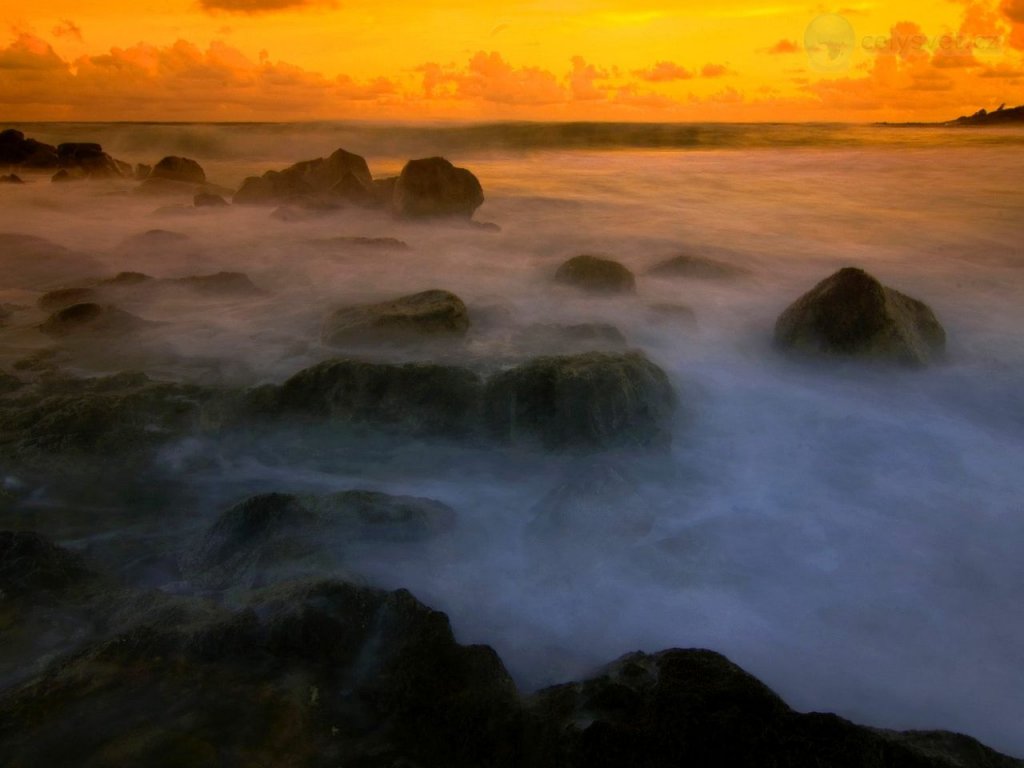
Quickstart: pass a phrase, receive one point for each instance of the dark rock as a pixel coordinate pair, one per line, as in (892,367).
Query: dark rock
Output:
(16,150)
(426,314)
(278,530)
(142,171)
(179,169)
(87,160)
(62,175)
(342,176)
(851,314)
(369,243)
(65,297)
(434,187)
(590,401)
(596,275)
(384,190)
(413,398)
(124,279)
(11,179)
(31,565)
(208,200)
(697,267)
(91,318)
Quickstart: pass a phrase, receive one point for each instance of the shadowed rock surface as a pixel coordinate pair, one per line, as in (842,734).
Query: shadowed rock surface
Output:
(18,151)
(591,401)
(427,314)
(86,160)
(596,275)
(91,318)
(342,176)
(11,178)
(434,187)
(297,534)
(65,297)
(851,314)
(178,169)
(697,267)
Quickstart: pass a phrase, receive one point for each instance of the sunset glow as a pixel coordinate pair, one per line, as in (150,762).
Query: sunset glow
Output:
(319,59)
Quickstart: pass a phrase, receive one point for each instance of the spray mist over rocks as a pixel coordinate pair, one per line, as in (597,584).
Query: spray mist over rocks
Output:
(713,458)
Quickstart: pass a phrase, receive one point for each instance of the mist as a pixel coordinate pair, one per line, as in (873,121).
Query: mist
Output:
(849,534)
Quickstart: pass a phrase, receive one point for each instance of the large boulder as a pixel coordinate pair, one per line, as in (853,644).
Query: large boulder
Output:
(596,275)
(342,176)
(87,160)
(281,534)
(433,313)
(434,187)
(411,398)
(178,169)
(851,314)
(593,400)
(17,151)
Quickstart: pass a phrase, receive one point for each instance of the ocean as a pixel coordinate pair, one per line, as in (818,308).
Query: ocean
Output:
(852,535)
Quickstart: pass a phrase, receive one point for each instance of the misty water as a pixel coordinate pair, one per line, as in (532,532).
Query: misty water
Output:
(849,534)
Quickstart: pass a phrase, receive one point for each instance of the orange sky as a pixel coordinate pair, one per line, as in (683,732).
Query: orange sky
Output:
(557,60)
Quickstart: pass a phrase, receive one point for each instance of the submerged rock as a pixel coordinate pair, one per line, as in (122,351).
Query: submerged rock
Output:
(697,267)
(178,169)
(90,317)
(596,275)
(593,400)
(306,533)
(65,297)
(434,187)
(11,179)
(851,314)
(342,176)
(427,314)
(219,283)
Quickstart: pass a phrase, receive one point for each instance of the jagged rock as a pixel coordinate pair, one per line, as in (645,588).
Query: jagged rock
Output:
(342,176)
(11,179)
(696,267)
(92,318)
(208,200)
(179,169)
(414,398)
(16,150)
(87,160)
(851,314)
(434,187)
(596,275)
(592,400)
(276,530)
(427,314)
(65,297)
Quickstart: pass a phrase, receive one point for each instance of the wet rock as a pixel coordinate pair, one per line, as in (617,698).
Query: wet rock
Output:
(298,534)
(209,200)
(91,318)
(31,565)
(434,187)
(648,709)
(596,275)
(587,401)
(179,169)
(88,161)
(851,314)
(342,176)
(311,674)
(412,398)
(11,179)
(65,297)
(427,314)
(697,267)
(18,151)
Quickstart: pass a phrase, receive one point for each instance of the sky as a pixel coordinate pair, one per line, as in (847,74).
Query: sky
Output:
(731,60)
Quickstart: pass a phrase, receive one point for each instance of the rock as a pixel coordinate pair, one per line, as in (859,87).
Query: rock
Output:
(142,171)
(592,400)
(697,267)
(65,297)
(384,191)
(311,674)
(412,398)
(91,318)
(220,284)
(282,531)
(11,179)
(648,709)
(596,275)
(87,160)
(36,264)
(427,314)
(179,169)
(342,176)
(17,151)
(851,314)
(125,279)
(434,187)
(62,175)
(368,243)
(208,200)
(31,566)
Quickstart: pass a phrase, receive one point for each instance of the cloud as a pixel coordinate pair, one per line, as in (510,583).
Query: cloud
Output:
(715,70)
(784,46)
(489,78)
(582,80)
(1013,10)
(258,6)
(663,72)
(68,28)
